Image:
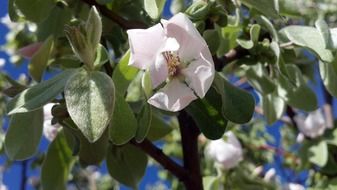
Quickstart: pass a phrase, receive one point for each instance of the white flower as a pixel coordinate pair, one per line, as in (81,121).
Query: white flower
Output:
(313,125)
(2,62)
(226,153)
(295,186)
(174,52)
(49,131)
(270,174)
(300,138)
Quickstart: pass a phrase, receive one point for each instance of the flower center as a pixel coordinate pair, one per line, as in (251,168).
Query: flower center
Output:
(173,62)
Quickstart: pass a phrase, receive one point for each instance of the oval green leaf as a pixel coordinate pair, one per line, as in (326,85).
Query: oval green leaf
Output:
(24,134)
(90,97)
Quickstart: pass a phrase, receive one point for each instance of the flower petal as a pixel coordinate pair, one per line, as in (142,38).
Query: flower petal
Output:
(158,71)
(183,30)
(200,73)
(175,96)
(144,45)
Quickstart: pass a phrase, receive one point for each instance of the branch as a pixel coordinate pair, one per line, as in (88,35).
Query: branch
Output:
(123,23)
(158,155)
(233,54)
(189,137)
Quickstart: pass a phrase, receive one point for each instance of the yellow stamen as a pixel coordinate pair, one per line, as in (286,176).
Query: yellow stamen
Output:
(173,62)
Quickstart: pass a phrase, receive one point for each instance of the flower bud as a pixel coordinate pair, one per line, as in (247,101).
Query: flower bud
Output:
(93,28)
(80,45)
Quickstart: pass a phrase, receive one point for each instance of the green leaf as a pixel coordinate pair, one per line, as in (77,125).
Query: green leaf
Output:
(144,123)
(57,164)
(266,7)
(160,127)
(247,44)
(35,10)
(126,164)
(90,98)
(324,30)
(310,38)
(329,76)
(40,59)
(318,153)
(213,40)
(154,8)
(198,10)
(102,56)
(12,11)
(211,182)
(279,59)
(93,153)
(24,134)
(40,94)
(54,23)
(177,6)
(89,153)
(269,26)
(255,33)
(273,107)
(237,105)
(93,28)
(124,74)
(293,94)
(209,119)
(123,125)
(258,78)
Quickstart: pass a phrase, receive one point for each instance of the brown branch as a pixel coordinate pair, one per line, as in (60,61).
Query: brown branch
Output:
(189,137)
(158,155)
(123,23)
(230,56)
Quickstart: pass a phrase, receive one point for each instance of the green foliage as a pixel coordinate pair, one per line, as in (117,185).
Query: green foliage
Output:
(38,95)
(126,164)
(318,153)
(123,124)
(40,59)
(35,10)
(154,8)
(308,37)
(237,105)
(24,134)
(57,164)
(90,98)
(209,119)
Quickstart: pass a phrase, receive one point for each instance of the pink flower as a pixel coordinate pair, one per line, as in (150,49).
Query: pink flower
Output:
(174,52)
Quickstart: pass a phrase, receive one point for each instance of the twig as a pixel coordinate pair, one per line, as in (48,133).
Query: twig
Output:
(125,24)
(158,155)
(23,175)
(230,56)
(189,137)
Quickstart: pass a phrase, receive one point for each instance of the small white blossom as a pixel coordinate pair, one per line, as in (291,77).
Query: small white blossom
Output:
(226,153)
(270,174)
(2,62)
(312,125)
(49,131)
(295,186)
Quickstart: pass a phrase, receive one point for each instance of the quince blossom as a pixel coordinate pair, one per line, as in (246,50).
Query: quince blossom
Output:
(312,125)
(225,153)
(173,52)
